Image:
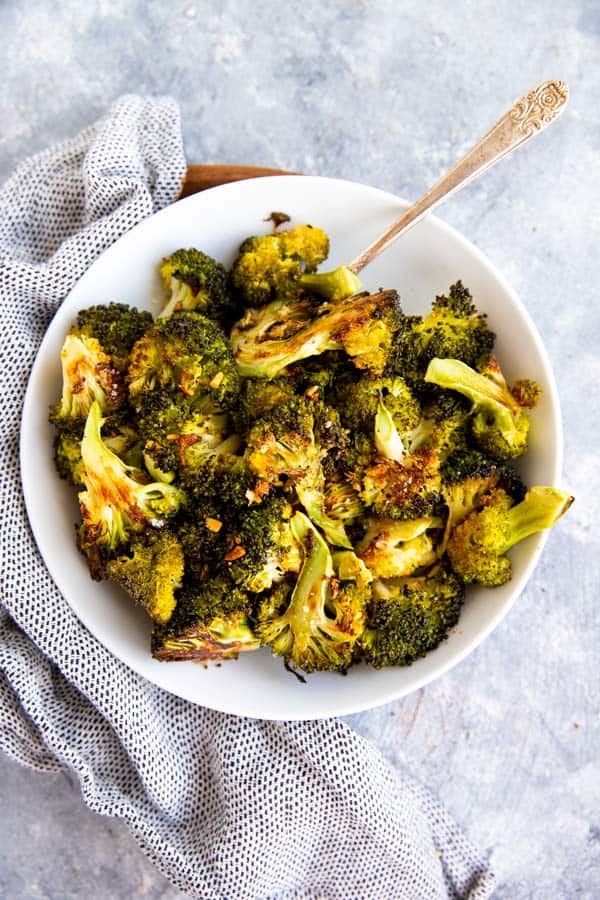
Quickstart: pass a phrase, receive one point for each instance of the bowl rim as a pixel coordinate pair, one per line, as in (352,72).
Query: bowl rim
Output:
(346,706)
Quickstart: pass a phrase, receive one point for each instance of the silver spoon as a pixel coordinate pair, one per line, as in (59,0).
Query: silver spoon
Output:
(528,116)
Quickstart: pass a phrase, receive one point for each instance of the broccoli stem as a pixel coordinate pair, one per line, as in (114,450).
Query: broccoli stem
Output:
(483,392)
(335,285)
(387,440)
(310,593)
(541,509)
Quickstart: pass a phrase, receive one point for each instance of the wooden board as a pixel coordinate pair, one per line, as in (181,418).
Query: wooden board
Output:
(199,178)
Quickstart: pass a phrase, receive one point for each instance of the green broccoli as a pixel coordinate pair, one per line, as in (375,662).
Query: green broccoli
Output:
(258,398)
(180,433)
(468,475)
(210,623)
(113,504)
(116,326)
(408,617)
(195,281)
(478,546)
(187,355)
(151,572)
(88,375)
(67,456)
(498,421)
(363,326)
(263,548)
(316,627)
(393,548)
(285,450)
(269,266)
(452,329)
(407,490)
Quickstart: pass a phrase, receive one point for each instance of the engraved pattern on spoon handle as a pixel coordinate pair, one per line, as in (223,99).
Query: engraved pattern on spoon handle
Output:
(528,116)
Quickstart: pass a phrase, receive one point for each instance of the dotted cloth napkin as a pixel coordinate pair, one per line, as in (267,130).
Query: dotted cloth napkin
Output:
(226,807)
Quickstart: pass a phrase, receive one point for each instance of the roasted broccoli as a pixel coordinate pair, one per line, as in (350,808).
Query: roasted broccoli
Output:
(316,624)
(263,548)
(408,617)
(195,281)
(452,329)
(269,266)
(151,572)
(498,421)
(113,503)
(392,548)
(210,623)
(180,433)
(478,546)
(187,355)
(468,475)
(116,326)
(258,398)
(363,326)
(88,375)
(286,450)
(67,456)
(407,490)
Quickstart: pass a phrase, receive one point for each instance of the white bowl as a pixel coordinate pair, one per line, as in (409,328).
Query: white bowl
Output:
(420,265)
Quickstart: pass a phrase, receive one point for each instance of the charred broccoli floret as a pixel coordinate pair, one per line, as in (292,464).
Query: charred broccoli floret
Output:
(151,572)
(363,326)
(258,398)
(113,503)
(407,490)
(452,329)
(468,475)
(88,375)
(393,548)
(408,617)
(358,401)
(269,266)
(179,433)
(478,546)
(285,450)
(186,355)
(116,326)
(195,281)
(210,623)
(263,549)
(316,627)
(498,421)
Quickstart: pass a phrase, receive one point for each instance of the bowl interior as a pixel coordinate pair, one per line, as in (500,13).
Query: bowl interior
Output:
(420,265)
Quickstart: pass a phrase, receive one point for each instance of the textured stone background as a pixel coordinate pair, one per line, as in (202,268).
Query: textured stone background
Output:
(388,93)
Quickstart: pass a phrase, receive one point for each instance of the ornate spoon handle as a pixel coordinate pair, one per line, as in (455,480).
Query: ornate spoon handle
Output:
(527,117)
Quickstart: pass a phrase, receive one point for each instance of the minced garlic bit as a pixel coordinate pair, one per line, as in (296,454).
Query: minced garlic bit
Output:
(235,553)
(213,524)
(217,379)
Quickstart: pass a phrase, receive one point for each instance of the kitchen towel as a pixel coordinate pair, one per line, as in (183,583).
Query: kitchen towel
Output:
(226,807)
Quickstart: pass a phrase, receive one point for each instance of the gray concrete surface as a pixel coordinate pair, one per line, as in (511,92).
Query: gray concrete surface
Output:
(388,93)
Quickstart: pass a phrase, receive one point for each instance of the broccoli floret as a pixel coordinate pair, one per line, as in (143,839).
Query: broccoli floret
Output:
(363,326)
(258,398)
(262,549)
(151,573)
(285,450)
(88,375)
(341,501)
(452,329)
(407,490)
(210,623)
(317,626)
(67,456)
(408,617)
(116,326)
(195,281)
(179,433)
(468,475)
(113,504)
(357,401)
(478,546)
(392,548)
(498,421)
(187,355)
(269,266)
